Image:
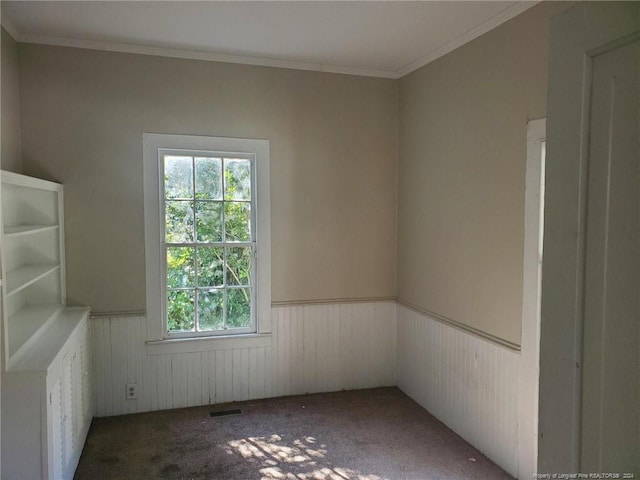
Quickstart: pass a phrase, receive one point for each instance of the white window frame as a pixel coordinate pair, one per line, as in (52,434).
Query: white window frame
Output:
(154,147)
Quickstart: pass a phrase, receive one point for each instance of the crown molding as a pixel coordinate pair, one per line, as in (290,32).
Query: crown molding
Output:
(503,16)
(201,55)
(9,26)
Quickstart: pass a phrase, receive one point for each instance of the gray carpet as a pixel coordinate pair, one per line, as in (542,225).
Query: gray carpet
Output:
(370,434)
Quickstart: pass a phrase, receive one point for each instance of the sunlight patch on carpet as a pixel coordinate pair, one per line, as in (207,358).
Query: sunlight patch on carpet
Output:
(299,459)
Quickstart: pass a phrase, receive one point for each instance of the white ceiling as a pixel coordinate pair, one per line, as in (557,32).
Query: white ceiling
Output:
(374,38)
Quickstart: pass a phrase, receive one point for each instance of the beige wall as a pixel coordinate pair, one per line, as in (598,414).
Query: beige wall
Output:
(461,174)
(333,164)
(11,149)
(334,141)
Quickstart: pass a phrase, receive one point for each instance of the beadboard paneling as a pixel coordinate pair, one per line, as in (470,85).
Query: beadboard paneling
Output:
(314,348)
(469,383)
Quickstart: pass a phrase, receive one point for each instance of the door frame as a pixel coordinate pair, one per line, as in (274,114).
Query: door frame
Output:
(531,278)
(577,35)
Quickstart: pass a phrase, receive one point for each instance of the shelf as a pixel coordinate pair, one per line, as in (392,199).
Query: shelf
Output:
(25,276)
(25,325)
(31,265)
(22,230)
(25,181)
(50,340)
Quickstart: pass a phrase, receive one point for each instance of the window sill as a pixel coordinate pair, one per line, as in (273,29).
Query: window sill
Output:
(194,345)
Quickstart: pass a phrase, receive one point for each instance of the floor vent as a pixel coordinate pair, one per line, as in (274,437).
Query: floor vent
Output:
(224,413)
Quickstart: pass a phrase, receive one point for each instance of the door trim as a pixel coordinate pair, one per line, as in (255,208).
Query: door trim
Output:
(530,342)
(576,36)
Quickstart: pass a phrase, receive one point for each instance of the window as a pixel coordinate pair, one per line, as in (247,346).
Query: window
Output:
(207,236)
(209,240)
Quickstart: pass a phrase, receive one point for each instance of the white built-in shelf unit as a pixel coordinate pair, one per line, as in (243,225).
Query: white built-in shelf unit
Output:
(32,256)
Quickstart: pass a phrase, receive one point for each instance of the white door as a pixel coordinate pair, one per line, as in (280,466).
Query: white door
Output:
(590,329)
(611,356)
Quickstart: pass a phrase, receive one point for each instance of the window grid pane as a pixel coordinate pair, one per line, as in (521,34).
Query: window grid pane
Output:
(211,309)
(208,178)
(237,173)
(178,177)
(180,267)
(178,221)
(180,309)
(210,223)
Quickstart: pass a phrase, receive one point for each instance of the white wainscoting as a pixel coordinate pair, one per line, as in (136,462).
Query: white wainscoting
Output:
(313,348)
(469,383)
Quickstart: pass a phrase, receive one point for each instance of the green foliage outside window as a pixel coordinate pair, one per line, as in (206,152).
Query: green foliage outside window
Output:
(203,207)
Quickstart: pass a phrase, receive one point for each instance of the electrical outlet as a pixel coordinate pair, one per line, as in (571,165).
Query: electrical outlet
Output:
(132,391)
